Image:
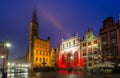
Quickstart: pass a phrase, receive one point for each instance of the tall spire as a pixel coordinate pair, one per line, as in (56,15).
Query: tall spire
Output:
(34,17)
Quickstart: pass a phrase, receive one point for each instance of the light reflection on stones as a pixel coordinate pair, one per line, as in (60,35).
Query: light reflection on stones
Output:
(61,74)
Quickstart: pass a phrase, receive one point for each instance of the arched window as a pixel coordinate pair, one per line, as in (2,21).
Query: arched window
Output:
(36,59)
(73,42)
(63,59)
(68,59)
(76,58)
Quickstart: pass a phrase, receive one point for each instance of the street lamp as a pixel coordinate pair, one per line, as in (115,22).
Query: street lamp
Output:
(3,64)
(5,59)
(2,57)
(7,45)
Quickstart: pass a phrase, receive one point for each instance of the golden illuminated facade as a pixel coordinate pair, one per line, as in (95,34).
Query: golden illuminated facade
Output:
(53,57)
(90,49)
(39,49)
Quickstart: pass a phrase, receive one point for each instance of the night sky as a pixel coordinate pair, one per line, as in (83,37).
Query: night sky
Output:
(57,19)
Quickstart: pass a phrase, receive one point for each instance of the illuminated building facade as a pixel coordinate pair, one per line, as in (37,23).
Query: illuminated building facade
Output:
(39,49)
(110,39)
(69,53)
(53,57)
(90,49)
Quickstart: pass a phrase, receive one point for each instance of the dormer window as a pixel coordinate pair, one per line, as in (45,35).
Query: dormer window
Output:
(88,36)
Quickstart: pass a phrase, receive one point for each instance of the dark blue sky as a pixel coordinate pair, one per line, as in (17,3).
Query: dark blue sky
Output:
(57,19)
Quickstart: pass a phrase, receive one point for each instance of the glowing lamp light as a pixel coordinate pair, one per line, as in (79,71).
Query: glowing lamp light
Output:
(8,63)
(89,46)
(8,45)
(13,64)
(71,57)
(95,45)
(119,65)
(2,57)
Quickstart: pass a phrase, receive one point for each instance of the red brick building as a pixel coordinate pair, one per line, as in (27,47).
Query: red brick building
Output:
(110,39)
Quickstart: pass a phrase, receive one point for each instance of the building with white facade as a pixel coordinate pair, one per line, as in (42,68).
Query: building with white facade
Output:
(69,53)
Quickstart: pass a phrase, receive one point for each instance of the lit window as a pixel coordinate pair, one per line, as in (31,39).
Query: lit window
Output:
(40,52)
(104,36)
(114,51)
(36,59)
(113,41)
(69,43)
(73,42)
(105,43)
(84,52)
(113,33)
(46,59)
(95,42)
(84,44)
(63,45)
(36,51)
(89,43)
(95,45)
(40,59)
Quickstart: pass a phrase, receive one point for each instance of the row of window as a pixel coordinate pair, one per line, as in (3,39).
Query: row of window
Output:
(76,45)
(90,43)
(90,53)
(113,38)
(42,60)
(68,44)
(113,51)
(112,42)
(113,34)
(42,43)
(90,48)
(42,52)
(41,47)
(89,59)
(89,64)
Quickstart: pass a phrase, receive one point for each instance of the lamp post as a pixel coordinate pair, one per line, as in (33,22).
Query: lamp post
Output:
(5,59)
(7,45)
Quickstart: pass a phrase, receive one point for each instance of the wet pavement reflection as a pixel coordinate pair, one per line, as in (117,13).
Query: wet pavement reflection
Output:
(61,74)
